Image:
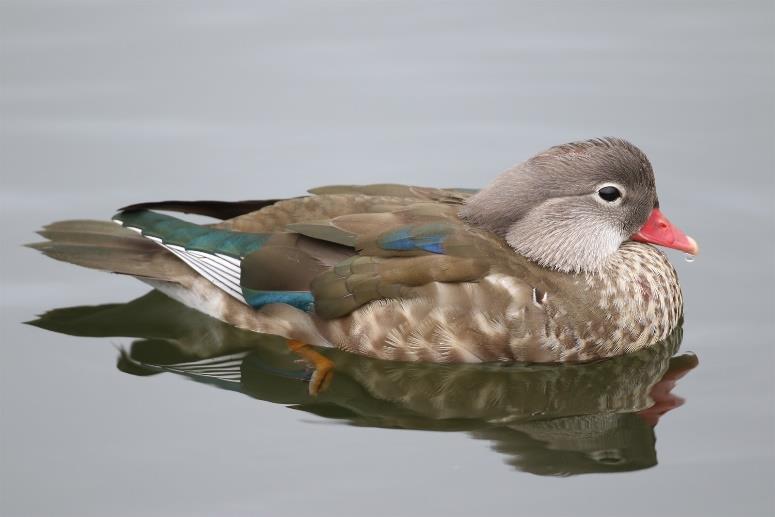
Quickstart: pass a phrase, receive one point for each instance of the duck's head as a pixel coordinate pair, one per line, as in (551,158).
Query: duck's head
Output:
(572,206)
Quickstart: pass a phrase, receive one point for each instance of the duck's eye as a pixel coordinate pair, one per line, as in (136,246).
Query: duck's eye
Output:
(609,193)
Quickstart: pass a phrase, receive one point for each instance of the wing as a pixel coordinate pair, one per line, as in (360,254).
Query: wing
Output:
(225,210)
(451,196)
(214,254)
(333,265)
(398,252)
(218,255)
(335,201)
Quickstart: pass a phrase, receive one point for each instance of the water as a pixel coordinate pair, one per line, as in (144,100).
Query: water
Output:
(105,104)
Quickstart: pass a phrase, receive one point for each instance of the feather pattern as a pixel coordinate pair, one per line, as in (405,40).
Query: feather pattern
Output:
(428,237)
(411,273)
(215,254)
(375,283)
(175,232)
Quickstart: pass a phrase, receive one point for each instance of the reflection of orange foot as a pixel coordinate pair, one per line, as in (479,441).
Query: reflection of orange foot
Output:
(324,368)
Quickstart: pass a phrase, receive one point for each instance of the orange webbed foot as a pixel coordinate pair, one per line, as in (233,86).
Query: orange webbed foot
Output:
(324,367)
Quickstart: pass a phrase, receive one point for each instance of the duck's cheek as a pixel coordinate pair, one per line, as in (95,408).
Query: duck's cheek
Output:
(660,231)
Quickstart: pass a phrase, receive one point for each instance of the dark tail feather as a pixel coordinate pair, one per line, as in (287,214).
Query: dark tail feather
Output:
(217,209)
(106,246)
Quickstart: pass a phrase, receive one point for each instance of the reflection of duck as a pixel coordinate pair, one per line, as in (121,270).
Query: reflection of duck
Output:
(539,266)
(563,419)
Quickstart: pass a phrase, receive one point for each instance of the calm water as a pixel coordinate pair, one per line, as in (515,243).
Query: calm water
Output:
(107,103)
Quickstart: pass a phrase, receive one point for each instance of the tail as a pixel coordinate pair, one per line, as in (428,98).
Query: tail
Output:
(108,247)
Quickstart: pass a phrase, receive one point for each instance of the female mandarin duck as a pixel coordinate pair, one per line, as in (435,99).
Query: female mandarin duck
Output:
(549,263)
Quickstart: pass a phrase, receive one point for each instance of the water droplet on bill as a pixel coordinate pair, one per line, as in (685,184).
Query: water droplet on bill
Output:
(689,258)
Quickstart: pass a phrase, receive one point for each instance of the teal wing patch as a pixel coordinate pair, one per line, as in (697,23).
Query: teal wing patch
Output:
(215,254)
(302,300)
(176,232)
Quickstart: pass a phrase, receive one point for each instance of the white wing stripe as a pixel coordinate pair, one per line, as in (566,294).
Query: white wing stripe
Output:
(212,274)
(205,273)
(222,270)
(222,265)
(226,279)
(216,268)
(229,259)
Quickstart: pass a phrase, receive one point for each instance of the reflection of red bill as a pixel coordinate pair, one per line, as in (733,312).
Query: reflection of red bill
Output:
(660,231)
(661,392)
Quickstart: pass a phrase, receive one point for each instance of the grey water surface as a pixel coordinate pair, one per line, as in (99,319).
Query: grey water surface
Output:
(106,103)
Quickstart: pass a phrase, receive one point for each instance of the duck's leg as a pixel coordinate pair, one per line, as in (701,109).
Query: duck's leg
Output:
(324,367)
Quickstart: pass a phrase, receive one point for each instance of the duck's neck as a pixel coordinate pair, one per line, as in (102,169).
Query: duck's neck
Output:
(640,292)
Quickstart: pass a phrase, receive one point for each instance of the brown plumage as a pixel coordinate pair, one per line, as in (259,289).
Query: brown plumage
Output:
(536,267)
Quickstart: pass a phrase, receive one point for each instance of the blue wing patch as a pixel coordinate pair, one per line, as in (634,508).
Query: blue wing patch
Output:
(302,300)
(426,237)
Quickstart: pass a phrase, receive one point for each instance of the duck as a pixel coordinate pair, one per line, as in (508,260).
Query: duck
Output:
(553,262)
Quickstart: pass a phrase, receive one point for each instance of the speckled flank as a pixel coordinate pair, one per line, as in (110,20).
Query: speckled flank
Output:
(634,303)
